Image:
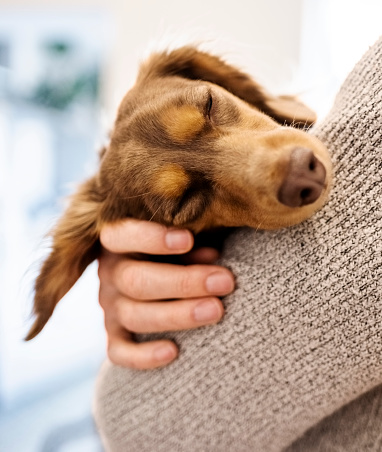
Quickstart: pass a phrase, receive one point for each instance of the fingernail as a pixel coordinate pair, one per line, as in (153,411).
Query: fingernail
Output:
(219,283)
(164,353)
(207,311)
(178,239)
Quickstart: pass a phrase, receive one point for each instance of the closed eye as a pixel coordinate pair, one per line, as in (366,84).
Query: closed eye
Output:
(209,104)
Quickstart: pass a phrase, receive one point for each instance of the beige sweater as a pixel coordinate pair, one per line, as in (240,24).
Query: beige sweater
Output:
(302,334)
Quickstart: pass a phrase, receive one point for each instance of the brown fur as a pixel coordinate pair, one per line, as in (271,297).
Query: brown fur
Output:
(196,144)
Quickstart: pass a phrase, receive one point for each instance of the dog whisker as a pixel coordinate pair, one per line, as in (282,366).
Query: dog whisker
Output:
(155,213)
(258,227)
(135,196)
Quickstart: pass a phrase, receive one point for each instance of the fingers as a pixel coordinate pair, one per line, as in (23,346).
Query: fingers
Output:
(156,317)
(147,355)
(142,280)
(124,315)
(131,236)
(122,351)
(201,256)
(131,290)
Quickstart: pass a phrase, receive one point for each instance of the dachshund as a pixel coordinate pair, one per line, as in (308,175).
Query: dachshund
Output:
(196,144)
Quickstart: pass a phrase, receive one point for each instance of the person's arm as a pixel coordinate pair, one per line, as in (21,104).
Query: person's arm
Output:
(302,335)
(135,293)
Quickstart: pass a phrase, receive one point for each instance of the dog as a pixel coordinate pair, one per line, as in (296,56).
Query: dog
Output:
(197,144)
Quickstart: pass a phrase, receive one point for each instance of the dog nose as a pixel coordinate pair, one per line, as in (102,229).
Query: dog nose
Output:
(304,181)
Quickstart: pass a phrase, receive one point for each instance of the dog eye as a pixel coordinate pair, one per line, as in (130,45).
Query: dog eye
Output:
(209,106)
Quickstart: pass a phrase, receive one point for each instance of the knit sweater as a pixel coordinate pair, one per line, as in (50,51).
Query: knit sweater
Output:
(302,336)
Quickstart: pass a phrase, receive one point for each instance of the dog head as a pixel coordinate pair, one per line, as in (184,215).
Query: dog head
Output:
(197,144)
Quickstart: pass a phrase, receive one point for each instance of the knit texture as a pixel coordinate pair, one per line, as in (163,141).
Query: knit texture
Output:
(357,427)
(302,334)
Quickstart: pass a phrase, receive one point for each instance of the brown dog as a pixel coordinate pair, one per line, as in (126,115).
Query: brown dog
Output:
(196,144)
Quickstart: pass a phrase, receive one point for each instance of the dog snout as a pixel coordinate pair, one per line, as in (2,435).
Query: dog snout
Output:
(304,180)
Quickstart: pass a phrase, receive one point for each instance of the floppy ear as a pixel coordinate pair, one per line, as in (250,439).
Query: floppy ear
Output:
(194,64)
(75,245)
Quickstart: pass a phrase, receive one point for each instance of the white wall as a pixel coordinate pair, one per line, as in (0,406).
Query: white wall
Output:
(335,35)
(260,35)
(288,45)
(264,35)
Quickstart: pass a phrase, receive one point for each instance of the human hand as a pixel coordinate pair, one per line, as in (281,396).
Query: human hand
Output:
(135,293)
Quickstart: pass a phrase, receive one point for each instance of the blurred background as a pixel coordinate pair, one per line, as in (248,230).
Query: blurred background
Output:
(64,67)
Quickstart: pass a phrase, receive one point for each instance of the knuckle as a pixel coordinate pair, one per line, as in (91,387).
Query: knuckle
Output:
(174,322)
(113,353)
(106,267)
(106,237)
(185,285)
(119,357)
(127,316)
(107,297)
(102,269)
(134,280)
(102,298)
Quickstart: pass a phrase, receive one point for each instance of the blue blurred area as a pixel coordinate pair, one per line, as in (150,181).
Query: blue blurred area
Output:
(50,71)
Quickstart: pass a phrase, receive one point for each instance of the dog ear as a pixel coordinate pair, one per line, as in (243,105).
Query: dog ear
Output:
(75,245)
(191,63)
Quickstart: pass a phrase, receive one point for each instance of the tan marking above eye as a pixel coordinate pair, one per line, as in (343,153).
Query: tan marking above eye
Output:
(170,181)
(182,123)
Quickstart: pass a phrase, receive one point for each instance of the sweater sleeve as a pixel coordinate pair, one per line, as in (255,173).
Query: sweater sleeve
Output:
(302,334)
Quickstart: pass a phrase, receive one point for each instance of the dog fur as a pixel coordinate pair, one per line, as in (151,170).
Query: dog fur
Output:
(196,144)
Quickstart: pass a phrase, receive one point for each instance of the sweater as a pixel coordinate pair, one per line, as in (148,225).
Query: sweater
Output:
(296,363)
